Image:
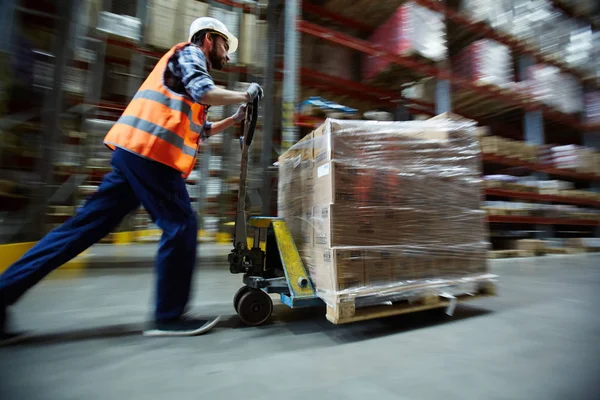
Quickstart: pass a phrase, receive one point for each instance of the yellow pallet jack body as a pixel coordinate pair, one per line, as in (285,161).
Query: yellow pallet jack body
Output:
(275,267)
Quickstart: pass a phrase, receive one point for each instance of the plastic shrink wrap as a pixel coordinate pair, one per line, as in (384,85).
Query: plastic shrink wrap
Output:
(377,209)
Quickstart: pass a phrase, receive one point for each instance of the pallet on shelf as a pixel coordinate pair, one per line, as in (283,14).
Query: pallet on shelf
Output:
(511,253)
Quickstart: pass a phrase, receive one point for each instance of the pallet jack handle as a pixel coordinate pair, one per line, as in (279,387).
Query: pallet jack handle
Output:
(240,238)
(252,116)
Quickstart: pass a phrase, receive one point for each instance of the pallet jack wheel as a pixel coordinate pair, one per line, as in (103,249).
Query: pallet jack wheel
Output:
(238,295)
(254,307)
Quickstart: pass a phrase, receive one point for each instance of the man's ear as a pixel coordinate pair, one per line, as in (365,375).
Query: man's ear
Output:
(209,38)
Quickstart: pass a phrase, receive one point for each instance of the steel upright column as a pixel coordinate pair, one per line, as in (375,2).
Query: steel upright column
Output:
(533,132)
(442,96)
(290,73)
(268,106)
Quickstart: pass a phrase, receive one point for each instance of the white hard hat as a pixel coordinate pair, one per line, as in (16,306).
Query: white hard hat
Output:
(214,24)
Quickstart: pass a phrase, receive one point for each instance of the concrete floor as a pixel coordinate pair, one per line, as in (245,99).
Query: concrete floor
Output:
(540,339)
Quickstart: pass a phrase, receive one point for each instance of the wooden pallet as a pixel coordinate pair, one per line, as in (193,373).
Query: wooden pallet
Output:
(346,310)
(502,211)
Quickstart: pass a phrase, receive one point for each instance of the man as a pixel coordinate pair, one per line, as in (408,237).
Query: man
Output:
(154,147)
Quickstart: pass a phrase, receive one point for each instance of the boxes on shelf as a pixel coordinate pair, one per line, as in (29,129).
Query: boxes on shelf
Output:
(123,26)
(540,26)
(573,157)
(486,61)
(376,206)
(335,60)
(508,148)
(557,89)
(592,107)
(411,30)
(188,11)
(231,19)
(248,40)
(161,30)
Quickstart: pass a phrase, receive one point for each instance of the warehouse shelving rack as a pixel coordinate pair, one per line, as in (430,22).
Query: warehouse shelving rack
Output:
(521,117)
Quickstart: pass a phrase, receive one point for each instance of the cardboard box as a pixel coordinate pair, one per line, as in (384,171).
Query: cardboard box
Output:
(161,28)
(378,266)
(400,197)
(530,244)
(248,40)
(188,12)
(339,269)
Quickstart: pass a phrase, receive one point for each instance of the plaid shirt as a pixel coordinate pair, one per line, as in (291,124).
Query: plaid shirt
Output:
(187,74)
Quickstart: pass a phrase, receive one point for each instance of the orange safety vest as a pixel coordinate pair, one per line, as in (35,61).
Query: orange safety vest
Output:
(160,124)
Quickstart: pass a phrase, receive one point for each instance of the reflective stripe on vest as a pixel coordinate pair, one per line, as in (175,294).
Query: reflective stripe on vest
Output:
(160,124)
(173,104)
(158,131)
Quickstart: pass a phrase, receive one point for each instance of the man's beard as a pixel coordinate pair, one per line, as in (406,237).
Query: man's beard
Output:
(216,61)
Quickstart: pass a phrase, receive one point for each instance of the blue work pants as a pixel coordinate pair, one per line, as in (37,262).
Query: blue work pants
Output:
(133,180)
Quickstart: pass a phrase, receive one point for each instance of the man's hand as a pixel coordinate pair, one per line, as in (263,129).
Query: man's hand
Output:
(240,114)
(254,91)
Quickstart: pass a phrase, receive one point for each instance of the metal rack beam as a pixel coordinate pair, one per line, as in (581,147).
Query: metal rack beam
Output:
(513,194)
(513,219)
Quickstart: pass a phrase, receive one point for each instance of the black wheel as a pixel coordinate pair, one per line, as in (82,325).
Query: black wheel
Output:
(255,307)
(236,299)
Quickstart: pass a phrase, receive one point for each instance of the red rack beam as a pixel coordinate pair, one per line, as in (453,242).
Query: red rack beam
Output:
(332,16)
(512,219)
(368,48)
(541,197)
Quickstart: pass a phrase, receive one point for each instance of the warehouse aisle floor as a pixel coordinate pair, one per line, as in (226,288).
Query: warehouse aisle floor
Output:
(540,339)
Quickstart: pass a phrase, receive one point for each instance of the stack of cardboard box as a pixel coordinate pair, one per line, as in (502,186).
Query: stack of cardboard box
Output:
(375,205)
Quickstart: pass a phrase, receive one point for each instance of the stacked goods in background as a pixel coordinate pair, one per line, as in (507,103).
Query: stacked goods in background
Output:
(385,207)
(485,61)
(231,19)
(412,30)
(187,12)
(542,27)
(523,209)
(497,145)
(592,107)
(578,158)
(557,89)
(162,27)
(571,157)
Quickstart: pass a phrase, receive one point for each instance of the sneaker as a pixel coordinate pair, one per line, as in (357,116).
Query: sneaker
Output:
(182,327)
(7,338)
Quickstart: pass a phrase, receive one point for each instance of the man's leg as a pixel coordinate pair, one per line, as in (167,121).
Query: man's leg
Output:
(163,193)
(103,211)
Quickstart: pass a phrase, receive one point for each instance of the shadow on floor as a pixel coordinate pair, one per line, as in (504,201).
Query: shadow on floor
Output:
(312,320)
(286,321)
(103,332)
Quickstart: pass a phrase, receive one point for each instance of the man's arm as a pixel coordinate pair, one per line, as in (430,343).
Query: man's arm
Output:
(213,128)
(219,126)
(199,84)
(223,97)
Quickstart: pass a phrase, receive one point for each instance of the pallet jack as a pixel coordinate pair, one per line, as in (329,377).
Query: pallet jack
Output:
(275,267)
